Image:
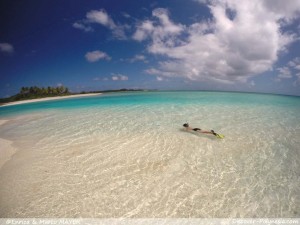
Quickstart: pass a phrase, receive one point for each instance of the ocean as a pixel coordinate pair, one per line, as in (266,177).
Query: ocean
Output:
(127,155)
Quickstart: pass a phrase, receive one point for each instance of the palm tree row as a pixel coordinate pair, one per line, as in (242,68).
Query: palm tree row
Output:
(36,92)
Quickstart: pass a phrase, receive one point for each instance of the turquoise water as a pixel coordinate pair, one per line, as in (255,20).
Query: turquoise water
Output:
(126,155)
(168,98)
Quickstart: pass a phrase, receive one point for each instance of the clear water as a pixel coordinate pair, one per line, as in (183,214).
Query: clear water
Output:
(126,155)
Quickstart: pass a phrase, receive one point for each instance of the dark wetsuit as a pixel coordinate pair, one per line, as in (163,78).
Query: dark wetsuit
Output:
(196,129)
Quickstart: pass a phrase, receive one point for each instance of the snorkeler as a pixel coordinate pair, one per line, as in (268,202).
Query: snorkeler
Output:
(188,128)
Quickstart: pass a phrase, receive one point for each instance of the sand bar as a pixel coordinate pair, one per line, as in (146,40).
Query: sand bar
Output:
(48,99)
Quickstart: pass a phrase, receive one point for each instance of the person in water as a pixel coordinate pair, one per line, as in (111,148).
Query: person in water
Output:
(188,128)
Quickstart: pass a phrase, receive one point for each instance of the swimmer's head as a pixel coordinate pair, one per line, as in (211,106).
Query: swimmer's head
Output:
(186,125)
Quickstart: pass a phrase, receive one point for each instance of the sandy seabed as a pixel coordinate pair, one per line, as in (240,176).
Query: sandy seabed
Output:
(7,150)
(136,161)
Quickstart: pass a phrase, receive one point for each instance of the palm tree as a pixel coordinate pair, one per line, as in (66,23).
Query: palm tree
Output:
(49,90)
(23,91)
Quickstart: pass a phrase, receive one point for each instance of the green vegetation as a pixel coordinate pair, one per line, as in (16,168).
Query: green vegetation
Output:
(36,92)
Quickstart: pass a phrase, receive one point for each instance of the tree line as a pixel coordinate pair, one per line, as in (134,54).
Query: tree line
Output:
(37,92)
(49,91)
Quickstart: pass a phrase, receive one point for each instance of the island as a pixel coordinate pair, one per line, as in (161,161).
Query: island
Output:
(36,94)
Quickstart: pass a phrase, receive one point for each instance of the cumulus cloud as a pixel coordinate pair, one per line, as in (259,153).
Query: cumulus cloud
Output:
(240,41)
(286,11)
(95,56)
(6,48)
(101,17)
(119,77)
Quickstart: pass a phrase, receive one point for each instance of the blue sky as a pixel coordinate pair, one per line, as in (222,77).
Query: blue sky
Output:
(228,45)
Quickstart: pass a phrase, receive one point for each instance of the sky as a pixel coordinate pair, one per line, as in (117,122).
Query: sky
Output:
(222,45)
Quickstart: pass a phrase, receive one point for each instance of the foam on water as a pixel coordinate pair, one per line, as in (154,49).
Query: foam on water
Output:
(127,155)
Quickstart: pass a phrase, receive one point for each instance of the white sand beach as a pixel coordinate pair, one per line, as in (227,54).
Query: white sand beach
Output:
(6,148)
(48,99)
(6,151)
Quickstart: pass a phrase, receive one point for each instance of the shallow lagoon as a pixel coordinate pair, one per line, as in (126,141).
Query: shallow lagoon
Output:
(126,155)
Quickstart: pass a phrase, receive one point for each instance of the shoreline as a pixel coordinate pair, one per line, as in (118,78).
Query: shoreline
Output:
(7,150)
(48,99)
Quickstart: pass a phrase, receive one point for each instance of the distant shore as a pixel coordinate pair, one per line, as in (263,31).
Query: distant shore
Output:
(48,99)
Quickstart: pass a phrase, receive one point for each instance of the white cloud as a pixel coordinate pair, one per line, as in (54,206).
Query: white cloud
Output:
(286,10)
(126,15)
(202,1)
(95,56)
(242,40)
(83,26)
(252,83)
(143,30)
(290,70)
(159,72)
(138,58)
(100,79)
(115,78)
(159,78)
(297,67)
(297,81)
(295,63)
(101,17)
(119,77)
(6,48)
(165,29)
(284,73)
